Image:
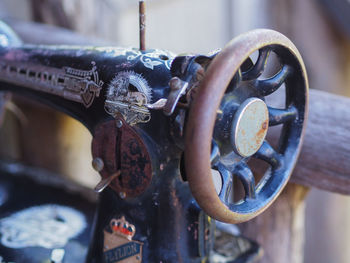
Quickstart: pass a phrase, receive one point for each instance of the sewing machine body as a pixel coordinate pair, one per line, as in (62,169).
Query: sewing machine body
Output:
(135,103)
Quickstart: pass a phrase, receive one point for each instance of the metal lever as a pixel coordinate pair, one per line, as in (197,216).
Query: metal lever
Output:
(106,182)
(161,104)
(158,105)
(178,88)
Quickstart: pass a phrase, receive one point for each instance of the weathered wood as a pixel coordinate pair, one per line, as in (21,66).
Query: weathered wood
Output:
(326,53)
(325,158)
(280,229)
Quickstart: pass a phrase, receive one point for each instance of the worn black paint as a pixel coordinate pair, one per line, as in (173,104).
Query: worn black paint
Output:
(166,217)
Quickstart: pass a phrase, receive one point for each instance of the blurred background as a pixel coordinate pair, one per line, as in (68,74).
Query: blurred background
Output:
(319,28)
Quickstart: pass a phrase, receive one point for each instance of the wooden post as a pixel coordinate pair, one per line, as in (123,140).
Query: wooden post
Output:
(280,229)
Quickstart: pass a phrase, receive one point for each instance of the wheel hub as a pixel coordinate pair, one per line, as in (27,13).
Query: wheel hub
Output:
(249,127)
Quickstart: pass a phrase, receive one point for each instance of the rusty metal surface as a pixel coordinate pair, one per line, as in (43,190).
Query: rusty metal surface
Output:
(203,115)
(122,149)
(142,14)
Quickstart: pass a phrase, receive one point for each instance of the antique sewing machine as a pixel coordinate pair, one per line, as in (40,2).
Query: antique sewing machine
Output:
(172,136)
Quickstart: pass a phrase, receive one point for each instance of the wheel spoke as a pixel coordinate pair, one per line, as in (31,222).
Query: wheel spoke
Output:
(227,183)
(259,66)
(279,116)
(237,78)
(268,154)
(246,176)
(268,86)
(215,152)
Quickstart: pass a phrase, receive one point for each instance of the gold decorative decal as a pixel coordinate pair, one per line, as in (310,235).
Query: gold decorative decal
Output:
(119,246)
(82,86)
(127,94)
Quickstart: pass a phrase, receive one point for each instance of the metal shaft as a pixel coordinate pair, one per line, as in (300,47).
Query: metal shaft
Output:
(142,15)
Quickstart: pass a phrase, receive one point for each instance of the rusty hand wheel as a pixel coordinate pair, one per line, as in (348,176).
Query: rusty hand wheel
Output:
(237,135)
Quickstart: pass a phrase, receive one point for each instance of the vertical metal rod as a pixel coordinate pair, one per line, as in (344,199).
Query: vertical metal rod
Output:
(142,15)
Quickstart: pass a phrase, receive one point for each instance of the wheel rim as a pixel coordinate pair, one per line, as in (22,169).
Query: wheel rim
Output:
(200,125)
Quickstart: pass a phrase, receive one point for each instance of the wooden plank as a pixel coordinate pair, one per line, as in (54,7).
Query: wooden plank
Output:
(325,158)
(280,229)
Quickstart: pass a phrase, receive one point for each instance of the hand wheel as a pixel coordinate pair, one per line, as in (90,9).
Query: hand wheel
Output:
(235,87)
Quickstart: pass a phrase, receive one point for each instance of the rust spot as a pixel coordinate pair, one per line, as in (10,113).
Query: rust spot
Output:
(261,133)
(264,126)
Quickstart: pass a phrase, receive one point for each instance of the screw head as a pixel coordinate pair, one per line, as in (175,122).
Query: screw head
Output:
(119,124)
(122,195)
(175,83)
(249,127)
(98,164)
(161,167)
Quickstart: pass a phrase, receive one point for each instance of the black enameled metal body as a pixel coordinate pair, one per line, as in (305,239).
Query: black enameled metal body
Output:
(76,80)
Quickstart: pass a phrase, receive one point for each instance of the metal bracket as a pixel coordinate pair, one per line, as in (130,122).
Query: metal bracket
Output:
(178,88)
